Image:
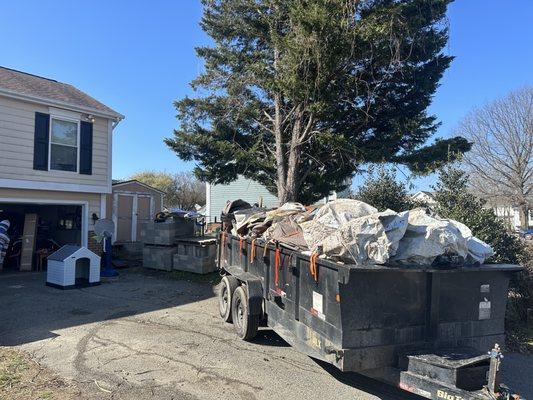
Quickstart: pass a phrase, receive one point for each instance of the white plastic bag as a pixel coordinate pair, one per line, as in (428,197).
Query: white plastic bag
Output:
(478,250)
(338,212)
(428,237)
(370,239)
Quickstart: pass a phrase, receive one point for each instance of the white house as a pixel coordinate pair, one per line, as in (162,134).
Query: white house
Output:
(511,216)
(424,197)
(508,214)
(55,158)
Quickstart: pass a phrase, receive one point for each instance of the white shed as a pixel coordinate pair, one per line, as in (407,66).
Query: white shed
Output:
(73,266)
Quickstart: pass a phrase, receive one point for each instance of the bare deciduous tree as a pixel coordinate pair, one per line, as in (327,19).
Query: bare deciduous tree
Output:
(501,160)
(182,190)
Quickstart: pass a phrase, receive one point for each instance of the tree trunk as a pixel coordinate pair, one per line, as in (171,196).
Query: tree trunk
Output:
(278,135)
(291,183)
(280,156)
(524,217)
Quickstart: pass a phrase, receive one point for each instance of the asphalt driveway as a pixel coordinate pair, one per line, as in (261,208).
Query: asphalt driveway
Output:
(143,336)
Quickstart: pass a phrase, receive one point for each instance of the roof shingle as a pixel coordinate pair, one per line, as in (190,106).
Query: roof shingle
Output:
(36,86)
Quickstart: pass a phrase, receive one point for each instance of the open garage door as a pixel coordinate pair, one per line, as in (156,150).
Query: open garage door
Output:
(37,230)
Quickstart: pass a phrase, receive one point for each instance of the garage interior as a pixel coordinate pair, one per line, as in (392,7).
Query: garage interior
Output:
(36,231)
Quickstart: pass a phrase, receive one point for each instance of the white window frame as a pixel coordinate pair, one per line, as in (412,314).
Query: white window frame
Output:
(67,119)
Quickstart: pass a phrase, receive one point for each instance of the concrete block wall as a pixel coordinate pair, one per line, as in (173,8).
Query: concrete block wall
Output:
(159,257)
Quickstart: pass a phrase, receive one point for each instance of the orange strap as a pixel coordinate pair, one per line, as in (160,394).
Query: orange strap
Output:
(241,244)
(265,250)
(277,262)
(252,251)
(222,245)
(313,267)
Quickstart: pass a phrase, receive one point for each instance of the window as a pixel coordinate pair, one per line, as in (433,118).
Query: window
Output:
(64,145)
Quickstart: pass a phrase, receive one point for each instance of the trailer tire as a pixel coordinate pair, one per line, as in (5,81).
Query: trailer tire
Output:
(225,294)
(245,324)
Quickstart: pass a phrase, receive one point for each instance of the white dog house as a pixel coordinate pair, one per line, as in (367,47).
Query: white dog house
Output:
(73,266)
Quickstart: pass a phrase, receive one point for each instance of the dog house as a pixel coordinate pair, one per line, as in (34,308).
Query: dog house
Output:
(72,267)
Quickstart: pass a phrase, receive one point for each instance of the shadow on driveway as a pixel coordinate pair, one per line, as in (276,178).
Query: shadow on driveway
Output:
(31,311)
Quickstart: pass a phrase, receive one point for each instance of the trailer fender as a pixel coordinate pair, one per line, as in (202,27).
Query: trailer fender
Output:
(255,296)
(254,288)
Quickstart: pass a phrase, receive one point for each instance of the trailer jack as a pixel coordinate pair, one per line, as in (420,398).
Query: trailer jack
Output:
(494,387)
(338,353)
(456,374)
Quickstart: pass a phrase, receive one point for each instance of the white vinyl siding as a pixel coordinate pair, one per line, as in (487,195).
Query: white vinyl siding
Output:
(17,121)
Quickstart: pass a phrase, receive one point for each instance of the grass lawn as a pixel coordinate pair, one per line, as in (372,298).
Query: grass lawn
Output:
(212,278)
(24,379)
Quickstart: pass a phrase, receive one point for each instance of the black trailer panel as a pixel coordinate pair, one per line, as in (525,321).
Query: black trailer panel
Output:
(425,330)
(366,317)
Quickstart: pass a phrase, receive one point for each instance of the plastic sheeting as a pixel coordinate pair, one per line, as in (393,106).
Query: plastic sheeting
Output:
(430,238)
(371,239)
(330,217)
(362,239)
(354,232)
(477,250)
(339,212)
(284,211)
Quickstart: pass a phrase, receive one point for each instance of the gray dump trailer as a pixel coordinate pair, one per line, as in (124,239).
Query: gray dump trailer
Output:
(429,331)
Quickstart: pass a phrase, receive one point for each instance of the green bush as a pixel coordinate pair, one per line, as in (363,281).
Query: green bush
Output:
(382,190)
(455,201)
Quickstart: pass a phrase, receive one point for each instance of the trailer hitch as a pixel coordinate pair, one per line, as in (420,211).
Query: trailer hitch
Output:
(496,357)
(494,387)
(331,350)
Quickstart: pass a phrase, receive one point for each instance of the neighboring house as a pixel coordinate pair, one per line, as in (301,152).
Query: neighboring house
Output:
(511,216)
(55,157)
(246,189)
(216,196)
(132,203)
(424,197)
(508,214)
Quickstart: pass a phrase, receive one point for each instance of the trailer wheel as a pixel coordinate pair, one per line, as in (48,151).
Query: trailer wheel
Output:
(225,293)
(245,324)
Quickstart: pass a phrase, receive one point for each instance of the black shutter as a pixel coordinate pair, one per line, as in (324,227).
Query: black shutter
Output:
(40,143)
(86,148)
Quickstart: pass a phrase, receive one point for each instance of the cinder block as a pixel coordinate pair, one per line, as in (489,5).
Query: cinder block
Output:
(165,233)
(129,251)
(196,255)
(158,257)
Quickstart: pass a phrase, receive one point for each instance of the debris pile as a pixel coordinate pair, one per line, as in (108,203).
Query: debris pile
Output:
(351,231)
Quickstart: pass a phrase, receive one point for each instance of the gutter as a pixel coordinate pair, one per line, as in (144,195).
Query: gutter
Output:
(116,117)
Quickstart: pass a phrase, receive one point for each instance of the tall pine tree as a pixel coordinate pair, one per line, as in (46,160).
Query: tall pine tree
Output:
(297,94)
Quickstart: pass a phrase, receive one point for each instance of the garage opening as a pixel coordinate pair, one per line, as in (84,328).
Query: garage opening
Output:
(38,230)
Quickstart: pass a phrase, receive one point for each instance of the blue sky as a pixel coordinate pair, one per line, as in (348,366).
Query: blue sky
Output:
(138,57)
